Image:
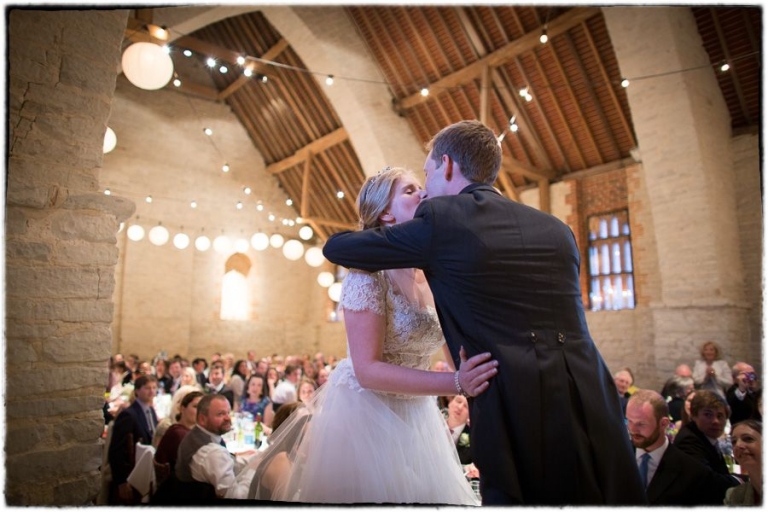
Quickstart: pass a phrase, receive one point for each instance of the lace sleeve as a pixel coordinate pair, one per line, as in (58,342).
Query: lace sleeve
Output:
(362,291)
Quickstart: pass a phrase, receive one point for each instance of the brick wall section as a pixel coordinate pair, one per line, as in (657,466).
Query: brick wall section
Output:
(60,252)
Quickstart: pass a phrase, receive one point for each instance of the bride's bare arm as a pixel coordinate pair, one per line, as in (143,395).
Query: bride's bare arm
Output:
(365,334)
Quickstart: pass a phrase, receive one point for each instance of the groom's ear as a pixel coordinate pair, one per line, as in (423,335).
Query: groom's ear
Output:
(448,173)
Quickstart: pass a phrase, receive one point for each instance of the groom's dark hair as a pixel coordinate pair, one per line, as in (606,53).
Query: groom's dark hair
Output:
(473,146)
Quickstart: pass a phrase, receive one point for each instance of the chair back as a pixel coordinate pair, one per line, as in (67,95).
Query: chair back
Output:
(162,471)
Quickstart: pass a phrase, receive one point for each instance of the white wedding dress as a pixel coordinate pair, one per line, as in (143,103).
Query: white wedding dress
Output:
(354,445)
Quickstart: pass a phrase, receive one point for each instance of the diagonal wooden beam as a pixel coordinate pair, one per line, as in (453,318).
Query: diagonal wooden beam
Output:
(529,41)
(509,187)
(317,146)
(515,166)
(305,186)
(256,67)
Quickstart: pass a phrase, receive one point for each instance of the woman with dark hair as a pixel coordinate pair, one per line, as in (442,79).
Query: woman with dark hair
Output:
(255,399)
(747,440)
(240,373)
(185,420)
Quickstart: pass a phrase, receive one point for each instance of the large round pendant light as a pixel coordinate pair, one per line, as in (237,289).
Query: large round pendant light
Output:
(325,279)
(314,257)
(110,140)
(276,240)
(202,243)
(147,66)
(135,232)
(222,244)
(334,292)
(306,233)
(158,235)
(260,241)
(293,250)
(241,245)
(181,241)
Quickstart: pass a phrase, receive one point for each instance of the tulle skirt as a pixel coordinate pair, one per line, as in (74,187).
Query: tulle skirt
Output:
(352,445)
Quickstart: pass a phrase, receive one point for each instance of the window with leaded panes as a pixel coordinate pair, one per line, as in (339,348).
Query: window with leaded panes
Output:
(611,279)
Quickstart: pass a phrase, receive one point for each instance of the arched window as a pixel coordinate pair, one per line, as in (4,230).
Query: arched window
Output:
(610,262)
(235,298)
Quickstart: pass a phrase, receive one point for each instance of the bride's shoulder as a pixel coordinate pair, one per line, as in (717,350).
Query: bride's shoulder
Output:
(363,290)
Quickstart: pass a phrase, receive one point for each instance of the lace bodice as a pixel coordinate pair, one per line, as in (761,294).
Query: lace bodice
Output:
(413,334)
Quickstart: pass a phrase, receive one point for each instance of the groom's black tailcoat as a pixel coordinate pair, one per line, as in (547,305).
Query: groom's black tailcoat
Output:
(549,429)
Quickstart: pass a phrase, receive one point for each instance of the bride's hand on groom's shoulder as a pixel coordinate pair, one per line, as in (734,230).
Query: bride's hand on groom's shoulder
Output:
(476,372)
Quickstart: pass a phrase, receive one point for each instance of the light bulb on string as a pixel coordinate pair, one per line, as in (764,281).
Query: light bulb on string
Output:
(247,72)
(329,80)
(543,38)
(240,60)
(211,62)
(193,204)
(107,192)
(187,53)
(259,206)
(223,69)
(271,217)
(208,131)
(225,168)
(340,194)
(624,83)
(247,190)
(239,205)
(264,78)
(513,125)
(725,67)
(289,202)
(425,92)
(148,199)
(159,235)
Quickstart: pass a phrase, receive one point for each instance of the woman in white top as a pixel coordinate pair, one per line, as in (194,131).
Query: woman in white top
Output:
(710,372)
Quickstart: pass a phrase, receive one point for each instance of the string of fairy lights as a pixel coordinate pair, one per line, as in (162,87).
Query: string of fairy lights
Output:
(246,65)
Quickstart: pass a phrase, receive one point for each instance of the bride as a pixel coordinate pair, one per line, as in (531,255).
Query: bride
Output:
(373,433)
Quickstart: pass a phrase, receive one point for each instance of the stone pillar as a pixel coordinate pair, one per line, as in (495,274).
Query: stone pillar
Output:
(683,130)
(60,251)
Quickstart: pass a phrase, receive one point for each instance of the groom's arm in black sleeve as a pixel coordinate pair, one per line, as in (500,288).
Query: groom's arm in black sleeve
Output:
(405,245)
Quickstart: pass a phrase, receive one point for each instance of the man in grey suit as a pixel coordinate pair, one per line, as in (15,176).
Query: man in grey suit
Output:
(549,430)
(671,476)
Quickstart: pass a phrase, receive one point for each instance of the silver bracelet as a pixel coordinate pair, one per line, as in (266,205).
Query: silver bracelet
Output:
(456,383)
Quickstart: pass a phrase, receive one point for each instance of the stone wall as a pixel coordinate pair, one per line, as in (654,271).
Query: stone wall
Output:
(60,251)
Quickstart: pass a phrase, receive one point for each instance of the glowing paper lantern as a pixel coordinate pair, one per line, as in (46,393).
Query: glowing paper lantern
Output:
(241,245)
(135,232)
(314,257)
(202,243)
(276,240)
(325,279)
(334,292)
(305,233)
(293,250)
(110,140)
(158,235)
(260,241)
(181,241)
(147,66)
(222,244)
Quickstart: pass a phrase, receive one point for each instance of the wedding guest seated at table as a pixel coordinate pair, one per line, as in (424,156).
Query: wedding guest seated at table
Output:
(623,379)
(682,370)
(709,413)
(203,456)
(185,419)
(189,378)
(748,452)
(680,388)
(216,383)
(200,366)
(273,378)
(458,425)
(671,477)
(685,414)
(175,409)
(240,374)
(256,401)
(286,390)
(307,389)
(136,424)
(164,381)
(174,372)
(322,376)
(272,469)
(742,396)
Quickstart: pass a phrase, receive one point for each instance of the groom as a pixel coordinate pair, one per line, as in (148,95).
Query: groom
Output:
(549,430)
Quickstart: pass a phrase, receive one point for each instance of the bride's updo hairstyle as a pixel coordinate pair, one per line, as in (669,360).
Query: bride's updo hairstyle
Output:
(375,195)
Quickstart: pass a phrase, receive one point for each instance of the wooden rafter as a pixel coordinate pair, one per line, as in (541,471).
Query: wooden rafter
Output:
(606,79)
(517,167)
(544,199)
(732,74)
(257,67)
(316,146)
(509,187)
(529,41)
(305,186)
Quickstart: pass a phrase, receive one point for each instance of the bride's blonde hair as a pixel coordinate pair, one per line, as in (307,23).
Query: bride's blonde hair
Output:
(375,195)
